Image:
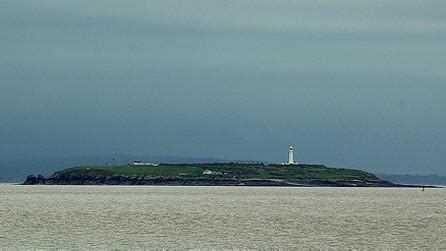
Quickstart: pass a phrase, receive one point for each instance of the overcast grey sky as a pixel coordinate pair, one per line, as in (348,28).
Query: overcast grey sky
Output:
(348,83)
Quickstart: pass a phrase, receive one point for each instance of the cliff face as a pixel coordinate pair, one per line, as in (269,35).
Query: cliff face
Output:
(126,180)
(196,181)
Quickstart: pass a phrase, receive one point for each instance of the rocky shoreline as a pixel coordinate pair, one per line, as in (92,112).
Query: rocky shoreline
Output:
(182,181)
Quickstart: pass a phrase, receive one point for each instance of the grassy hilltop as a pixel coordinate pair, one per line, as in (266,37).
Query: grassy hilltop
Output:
(233,174)
(227,170)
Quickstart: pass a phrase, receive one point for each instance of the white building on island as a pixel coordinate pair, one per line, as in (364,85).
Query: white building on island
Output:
(290,158)
(142,163)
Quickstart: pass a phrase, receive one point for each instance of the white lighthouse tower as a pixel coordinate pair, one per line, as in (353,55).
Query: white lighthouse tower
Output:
(290,157)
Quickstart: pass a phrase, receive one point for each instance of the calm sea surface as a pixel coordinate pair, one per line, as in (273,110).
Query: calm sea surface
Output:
(220,217)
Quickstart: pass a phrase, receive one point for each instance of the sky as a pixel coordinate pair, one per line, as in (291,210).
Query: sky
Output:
(358,84)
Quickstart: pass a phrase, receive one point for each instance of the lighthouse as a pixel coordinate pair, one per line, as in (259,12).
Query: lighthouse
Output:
(290,157)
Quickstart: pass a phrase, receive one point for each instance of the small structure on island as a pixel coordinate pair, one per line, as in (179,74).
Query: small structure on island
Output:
(142,163)
(290,158)
(209,172)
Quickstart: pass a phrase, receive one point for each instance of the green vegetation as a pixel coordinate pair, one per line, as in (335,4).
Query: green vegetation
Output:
(129,170)
(290,172)
(221,170)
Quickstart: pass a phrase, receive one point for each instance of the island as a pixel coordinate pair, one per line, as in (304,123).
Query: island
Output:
(212,174)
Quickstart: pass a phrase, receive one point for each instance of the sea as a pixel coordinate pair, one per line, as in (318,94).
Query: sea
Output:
(174,217)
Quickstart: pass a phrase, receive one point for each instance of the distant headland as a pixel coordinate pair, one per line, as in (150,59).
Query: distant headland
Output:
(251,173)
(212,174)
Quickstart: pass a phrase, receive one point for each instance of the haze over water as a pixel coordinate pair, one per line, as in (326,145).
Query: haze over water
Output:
(220,217)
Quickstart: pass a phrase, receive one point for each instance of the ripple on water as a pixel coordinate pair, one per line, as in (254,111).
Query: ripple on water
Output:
(220,217)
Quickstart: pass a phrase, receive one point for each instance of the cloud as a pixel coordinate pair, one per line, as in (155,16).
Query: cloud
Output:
(362,78)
